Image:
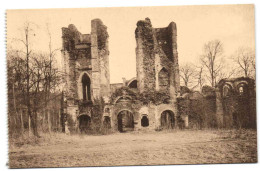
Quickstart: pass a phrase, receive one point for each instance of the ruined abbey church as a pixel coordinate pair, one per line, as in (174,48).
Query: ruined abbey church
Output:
(153,99)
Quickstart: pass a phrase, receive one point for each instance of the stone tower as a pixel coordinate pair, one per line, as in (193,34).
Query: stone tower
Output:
(157,58)
(158,69)
(85,68)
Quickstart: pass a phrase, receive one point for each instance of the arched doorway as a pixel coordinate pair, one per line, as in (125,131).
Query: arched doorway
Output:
(167,119)
(86,91)
(84,123)
(125,121)
(144,121)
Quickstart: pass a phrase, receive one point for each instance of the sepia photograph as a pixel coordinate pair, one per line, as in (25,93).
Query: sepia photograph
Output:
(131,86)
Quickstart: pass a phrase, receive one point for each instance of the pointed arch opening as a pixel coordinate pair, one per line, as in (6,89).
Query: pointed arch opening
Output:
(86,89)
(132,84)
(164,81)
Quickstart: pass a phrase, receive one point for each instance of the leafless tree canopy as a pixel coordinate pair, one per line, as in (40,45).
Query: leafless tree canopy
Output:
(187,73)
(244,58)
(211,59)
(33,78)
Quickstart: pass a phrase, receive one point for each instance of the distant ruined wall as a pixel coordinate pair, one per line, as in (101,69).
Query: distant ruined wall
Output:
(200,109)
(236,103)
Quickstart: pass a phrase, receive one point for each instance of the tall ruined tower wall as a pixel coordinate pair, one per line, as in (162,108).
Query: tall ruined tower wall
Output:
(100,59)
(145,56)
(86,54)
(156,51)
(76,54)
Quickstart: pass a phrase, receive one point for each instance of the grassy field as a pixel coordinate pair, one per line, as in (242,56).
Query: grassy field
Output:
(136,148)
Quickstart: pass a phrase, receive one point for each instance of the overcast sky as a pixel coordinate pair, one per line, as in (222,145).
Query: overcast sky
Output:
(196,25)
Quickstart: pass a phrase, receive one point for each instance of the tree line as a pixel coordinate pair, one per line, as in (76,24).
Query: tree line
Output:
(213,66)
(33,86)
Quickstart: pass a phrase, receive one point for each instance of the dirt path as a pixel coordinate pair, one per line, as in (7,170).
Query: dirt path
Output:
(177,147)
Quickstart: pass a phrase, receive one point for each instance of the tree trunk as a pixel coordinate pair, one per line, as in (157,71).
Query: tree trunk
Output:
(22,125)
(14,103)
(35,128)
(49,120)
(58,121)
(29,125)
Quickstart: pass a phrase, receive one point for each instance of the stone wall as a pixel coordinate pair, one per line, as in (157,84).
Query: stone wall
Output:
(198,109)
(145,55)
(156,50)
(77,59)
(236,103)
(85,54)
(157,60)
(100,60)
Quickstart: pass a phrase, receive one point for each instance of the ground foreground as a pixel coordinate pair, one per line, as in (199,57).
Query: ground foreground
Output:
(146,148)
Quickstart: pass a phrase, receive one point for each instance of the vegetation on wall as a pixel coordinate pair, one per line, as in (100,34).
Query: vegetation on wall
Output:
(97,114)
(201,112)
(155,97)
(146,97)
(123,91)
(102,37)
(145,30)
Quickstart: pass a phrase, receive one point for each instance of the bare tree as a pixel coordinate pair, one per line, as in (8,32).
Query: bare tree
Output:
(244,58)
(50,75)
(211,59)
(226,71)
(27,33)
(15,68)
(187,73)
(199,76)
(32,75)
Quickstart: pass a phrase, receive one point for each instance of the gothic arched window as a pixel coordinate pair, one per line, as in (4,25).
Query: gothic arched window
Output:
(226,91)
(86,91)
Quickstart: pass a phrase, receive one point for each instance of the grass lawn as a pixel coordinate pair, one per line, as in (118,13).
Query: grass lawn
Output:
(136,148)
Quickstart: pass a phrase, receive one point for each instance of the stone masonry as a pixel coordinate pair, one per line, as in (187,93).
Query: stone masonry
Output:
(86,68)
(152,99)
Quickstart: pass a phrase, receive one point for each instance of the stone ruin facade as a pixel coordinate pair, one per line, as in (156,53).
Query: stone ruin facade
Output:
(236,103)
(85,69)
(157,74)
(152,100)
